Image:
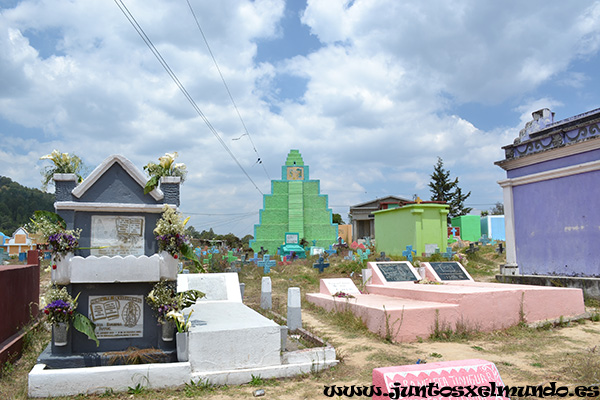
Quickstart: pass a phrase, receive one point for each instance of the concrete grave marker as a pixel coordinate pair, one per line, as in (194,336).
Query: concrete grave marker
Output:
(265,293)
(335,285)
(431,249)
(448,271)
(294,312)
(461,373)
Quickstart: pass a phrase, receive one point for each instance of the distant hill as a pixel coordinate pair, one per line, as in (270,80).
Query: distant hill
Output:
(17,204)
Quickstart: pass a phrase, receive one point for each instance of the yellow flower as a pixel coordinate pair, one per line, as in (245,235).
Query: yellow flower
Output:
(167,160)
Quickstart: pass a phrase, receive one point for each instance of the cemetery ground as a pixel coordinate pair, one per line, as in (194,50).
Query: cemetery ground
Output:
(564,352)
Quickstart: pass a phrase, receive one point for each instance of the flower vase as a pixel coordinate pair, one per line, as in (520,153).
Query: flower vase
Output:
(168,331)
(59,333)
(182,346)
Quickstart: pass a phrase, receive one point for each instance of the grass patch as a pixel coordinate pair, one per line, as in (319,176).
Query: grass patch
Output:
(386,357)
(584,367)
(442,331)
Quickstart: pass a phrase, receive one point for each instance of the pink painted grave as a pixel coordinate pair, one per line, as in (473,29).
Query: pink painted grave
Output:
(394,305)
(447,377)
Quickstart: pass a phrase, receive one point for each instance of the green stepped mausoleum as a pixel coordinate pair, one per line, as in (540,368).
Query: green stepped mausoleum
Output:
(295,206)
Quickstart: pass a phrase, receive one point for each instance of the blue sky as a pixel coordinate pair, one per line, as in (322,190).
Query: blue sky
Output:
(370,92)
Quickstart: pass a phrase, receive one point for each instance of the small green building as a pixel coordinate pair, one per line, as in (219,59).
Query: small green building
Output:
(470,227)
(294,205)
(414,224)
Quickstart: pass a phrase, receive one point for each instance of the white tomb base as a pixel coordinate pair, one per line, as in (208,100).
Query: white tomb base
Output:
(229,343)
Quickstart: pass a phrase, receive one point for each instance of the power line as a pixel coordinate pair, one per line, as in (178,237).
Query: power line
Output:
(228,91)
(183,90)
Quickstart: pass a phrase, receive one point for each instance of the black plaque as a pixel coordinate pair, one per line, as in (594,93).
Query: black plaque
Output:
(449,271)
(396,272)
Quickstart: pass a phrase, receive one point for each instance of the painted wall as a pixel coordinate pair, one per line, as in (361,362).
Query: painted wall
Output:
(493,227)
(411,225)
(557,226)
(470,227)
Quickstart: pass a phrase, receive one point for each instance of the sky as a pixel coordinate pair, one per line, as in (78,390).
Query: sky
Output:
(370,92)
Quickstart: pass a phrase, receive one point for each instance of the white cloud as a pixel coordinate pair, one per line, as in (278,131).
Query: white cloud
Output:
(377,110)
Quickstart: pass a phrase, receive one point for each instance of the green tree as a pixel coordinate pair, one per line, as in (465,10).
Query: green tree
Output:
(445,189)
(498,209)
(337,219)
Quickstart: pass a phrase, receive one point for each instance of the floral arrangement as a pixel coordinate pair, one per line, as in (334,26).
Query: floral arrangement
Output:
(182,323)
(343,295)
(61,308)
(426,281)
(166,301)
(166,167)
(460,258)
(52,229)
(171,237)
(63,163)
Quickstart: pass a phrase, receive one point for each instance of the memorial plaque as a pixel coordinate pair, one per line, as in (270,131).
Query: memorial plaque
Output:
(335,285)
(117,316)
(397,272)
(117,236)
(291,238)
(450,271)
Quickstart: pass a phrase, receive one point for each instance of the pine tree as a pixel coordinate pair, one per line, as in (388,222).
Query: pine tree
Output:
(447,190)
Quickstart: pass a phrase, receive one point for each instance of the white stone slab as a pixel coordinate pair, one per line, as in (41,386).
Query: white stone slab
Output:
(217,287)
(230,335)
(106,269)
(332,286)
(73,381)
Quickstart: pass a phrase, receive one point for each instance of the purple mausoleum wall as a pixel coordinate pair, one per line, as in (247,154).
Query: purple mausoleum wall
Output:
(557,226)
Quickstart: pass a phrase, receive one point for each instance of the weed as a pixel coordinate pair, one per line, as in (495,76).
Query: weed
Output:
(256,381)
(193,389)
(391,331)
(584,367)
(537,364)
(436,355)
(137,389)
(478,348)
(442,331)
(108,393)
(595,316)
(506,363)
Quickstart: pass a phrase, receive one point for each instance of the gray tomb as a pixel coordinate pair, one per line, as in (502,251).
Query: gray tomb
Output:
(113,212)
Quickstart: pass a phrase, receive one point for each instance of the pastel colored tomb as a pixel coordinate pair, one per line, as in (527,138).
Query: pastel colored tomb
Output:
(398,307)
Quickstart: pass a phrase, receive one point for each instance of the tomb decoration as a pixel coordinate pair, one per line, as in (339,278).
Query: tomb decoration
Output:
(166,167)
(171,237)
(52,229)
(426,281)
(167,304)
(61,312)
(343,295)
(63,163)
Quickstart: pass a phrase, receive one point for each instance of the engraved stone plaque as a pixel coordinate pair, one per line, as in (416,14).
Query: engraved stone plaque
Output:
(117,316)
(115,235)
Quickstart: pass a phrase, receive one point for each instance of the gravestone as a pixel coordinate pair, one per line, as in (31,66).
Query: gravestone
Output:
(397,271)
(321,265)
(350,256)
(294,312)
(394,380)
(449,271)
(366,276)
(331,251)
(500,248)
(382,257)
(266,263)
(337,285)
(265,293)
(408,253)
(431,249)
(448,254)
(472,249)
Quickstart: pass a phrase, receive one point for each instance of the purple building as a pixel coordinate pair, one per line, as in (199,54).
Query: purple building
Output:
(552,196)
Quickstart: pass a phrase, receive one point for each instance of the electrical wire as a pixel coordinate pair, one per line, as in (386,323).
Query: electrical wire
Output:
(228,91)
(183,90)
